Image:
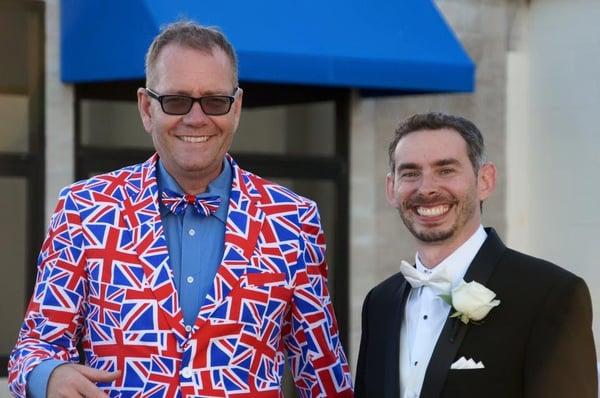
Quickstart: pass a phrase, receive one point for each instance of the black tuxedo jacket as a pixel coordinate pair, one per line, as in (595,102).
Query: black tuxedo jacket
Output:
(537,343)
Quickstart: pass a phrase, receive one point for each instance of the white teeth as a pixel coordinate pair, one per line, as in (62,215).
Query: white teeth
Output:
(194,139)
(432,211)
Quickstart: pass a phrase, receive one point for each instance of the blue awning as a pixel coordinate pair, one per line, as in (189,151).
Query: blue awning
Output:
(400,45)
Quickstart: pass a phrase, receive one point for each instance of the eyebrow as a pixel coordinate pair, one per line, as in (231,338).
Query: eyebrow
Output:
(446,162)
(407,166)
(437,163)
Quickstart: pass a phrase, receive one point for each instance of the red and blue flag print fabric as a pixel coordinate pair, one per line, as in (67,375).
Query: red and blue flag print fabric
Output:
(104,281)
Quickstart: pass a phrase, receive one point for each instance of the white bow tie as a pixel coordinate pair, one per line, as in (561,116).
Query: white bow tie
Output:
(437,279)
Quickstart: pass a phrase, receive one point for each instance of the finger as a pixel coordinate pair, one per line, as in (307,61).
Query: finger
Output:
(65,381)
(88,389)
(69,379)
(96,375)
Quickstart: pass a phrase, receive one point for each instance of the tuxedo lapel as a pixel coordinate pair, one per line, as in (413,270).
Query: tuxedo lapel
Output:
(392,358)
(454,331)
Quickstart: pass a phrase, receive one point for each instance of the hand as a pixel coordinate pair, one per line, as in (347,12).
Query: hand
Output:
(71,380)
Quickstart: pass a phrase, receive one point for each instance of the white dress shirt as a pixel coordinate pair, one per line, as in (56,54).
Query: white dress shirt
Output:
(425,315)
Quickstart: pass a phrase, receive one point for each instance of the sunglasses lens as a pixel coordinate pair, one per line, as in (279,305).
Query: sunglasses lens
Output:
(176,105)
(215,105)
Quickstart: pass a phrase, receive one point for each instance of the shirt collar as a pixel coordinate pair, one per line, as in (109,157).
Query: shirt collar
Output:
(220,186)
(457,263)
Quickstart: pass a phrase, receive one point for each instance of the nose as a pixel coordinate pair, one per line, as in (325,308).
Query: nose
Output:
(428,185)
(195,115)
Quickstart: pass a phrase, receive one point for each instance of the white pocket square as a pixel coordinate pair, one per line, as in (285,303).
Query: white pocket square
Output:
(463,363)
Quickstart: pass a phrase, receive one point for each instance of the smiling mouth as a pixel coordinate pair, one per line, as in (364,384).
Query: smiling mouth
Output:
(194,139)
(435,211)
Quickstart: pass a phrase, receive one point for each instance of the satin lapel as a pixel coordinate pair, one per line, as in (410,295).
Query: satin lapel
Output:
(141,215)
(392,359)
(454,331)
(244,222)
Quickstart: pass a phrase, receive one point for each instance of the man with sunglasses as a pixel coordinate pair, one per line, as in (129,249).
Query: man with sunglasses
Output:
(185,275)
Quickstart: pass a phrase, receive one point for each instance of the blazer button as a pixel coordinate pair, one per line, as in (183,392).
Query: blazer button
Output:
(186,372)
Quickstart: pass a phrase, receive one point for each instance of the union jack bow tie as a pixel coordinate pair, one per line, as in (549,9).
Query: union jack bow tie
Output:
(177,203)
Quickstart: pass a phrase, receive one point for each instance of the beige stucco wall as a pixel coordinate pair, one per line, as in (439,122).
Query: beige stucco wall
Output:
(554,138)
(60,119)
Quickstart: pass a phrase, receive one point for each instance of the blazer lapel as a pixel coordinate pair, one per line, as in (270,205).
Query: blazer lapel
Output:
(392,359)
(244,223)
(455,331)
(141,215)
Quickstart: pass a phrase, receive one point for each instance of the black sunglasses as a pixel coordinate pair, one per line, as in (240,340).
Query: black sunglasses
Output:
(212,105)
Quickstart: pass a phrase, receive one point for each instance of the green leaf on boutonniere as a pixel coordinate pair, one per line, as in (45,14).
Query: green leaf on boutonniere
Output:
(464,318)
(447,298)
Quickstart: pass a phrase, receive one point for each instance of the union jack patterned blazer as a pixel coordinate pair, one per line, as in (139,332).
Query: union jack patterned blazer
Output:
(104,280)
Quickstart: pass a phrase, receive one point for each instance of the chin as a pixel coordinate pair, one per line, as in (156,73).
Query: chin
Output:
(434,237)
(432,234)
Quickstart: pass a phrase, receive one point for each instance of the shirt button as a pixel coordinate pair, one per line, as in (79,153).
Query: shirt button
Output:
(188,328)
(192,232)
(186,372)
(424,316)
(416,363)
(190,279)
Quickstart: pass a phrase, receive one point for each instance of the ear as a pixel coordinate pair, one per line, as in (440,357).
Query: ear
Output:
(237,108)
(389,189)
(486,181)
(144,108)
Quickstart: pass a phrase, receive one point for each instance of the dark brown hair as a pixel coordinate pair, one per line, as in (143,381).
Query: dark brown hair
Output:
(437,121)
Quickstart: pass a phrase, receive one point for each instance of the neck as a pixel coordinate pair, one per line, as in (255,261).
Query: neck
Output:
(193,187)
(195,183)
(432,254)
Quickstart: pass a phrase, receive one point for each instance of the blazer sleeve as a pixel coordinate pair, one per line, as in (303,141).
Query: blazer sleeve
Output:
(53,319)
(561,355)
(317,360)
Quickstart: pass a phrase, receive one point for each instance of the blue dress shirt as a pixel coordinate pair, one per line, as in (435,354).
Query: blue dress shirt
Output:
(195,243)
(195,247)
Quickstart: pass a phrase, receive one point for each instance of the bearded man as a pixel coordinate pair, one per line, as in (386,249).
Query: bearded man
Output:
(471,317)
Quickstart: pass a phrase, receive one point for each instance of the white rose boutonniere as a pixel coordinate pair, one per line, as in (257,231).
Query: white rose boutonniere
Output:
(471,301)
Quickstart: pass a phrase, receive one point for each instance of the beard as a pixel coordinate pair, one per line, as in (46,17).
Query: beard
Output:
(464,208)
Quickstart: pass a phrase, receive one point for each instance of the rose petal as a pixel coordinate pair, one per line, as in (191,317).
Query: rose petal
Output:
(473,300)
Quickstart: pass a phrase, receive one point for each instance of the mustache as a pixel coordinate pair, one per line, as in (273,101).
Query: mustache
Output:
(422,200)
